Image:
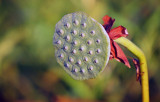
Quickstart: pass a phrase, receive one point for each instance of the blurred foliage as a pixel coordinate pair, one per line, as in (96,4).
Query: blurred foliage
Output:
(30,73)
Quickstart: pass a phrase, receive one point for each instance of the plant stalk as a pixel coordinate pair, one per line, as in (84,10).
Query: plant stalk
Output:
(143,65)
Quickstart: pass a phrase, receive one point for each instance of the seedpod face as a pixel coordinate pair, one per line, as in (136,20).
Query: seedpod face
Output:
(82,45)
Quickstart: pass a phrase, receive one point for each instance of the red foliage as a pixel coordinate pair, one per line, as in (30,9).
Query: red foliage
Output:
(116,51)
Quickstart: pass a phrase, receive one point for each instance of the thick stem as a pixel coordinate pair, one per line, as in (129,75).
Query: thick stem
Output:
(143,65)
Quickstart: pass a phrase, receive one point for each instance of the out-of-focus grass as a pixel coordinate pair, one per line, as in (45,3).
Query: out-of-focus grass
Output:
(29,71)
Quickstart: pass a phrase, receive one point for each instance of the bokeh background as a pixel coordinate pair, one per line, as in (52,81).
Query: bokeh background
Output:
(28,68)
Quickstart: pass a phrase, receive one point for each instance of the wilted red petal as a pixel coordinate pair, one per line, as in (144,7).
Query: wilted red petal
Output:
(118,54)
(116,51)
(118,32)
(138,72)
(112,53)
(108,22)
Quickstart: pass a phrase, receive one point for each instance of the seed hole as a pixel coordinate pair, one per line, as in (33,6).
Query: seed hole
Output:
(71,59)
(82,48)
(75,42)
(98,41)
(67,65)
(61,55)
(84,25)
(90,52)
(85,59)
(74,32)
(82,35)
(90,67)
(92,32)
(59,42)
(61,32)
(67,38)
(79,62)
(74,51)
(89,42)
(76,22)
(67,25)
(98,50)
(95,61)
(65,48)
(83,70)
(75,70)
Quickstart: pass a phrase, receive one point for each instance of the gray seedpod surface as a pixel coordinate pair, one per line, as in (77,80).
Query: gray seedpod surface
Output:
(82,46)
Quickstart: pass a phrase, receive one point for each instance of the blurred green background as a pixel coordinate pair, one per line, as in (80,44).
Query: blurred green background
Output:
(28,68)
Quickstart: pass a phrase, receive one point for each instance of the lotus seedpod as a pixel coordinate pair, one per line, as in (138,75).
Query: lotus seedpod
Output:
(82,45)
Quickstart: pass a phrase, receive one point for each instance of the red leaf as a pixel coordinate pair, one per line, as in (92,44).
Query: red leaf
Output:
(137,66)
(138,71)
(118,32)
(118,54)
(116,51)
(108,22)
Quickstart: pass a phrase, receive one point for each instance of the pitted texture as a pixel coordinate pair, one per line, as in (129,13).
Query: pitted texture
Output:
(82,46)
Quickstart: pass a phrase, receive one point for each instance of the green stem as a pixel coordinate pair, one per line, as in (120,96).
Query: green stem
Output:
(143,65)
